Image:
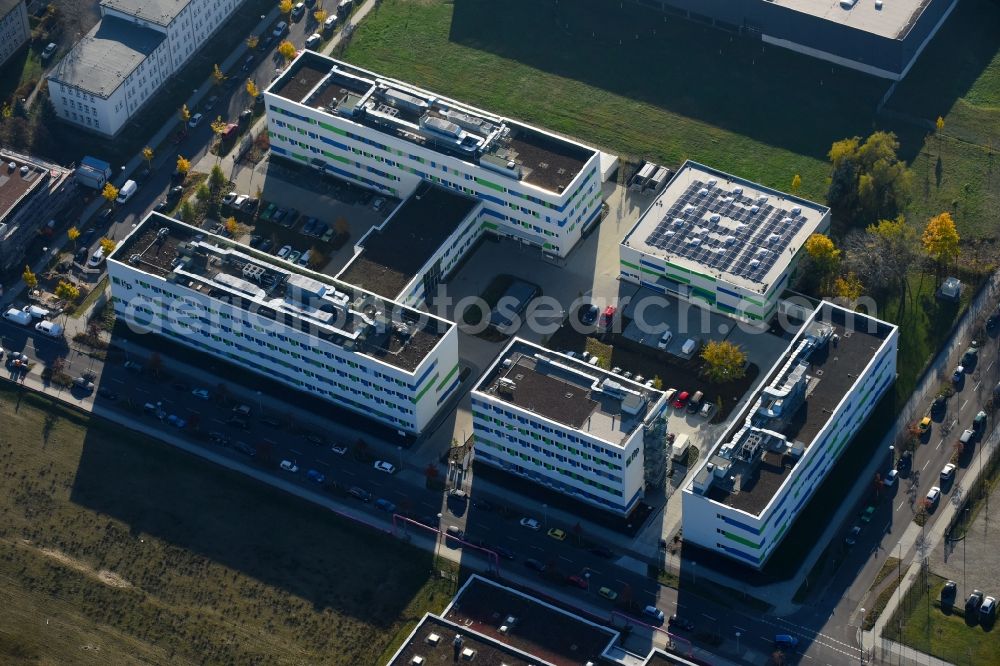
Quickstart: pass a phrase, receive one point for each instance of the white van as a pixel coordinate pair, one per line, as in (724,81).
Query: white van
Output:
(126,192)
(665,339)
(97,258)
(689,346)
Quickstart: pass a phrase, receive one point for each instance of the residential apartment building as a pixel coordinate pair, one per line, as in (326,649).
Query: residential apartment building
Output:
(418,246)
(777,451)
(14,28)
(32,192)
(110,74)
(389,136)
(721,242)
(567,425)
(317,335)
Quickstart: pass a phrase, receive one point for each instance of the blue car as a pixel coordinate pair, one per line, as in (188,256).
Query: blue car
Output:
(176,421)
(313,475)
(785,641)
(959,375)
(385,505)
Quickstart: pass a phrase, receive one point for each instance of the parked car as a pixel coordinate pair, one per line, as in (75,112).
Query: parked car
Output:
(948,473)
(289,466)
(385,505)
(314,475)
(958,375)
(654,614)
(81,383)
(785,641)
(577,581)
(974,601)
(195,120)
(608,593)
(339,449)
(283,252)
(589,315)
(505,553)
(176,421)
(531,524)
(852,536)
(298,11)
(608,318)
(979,423)
(538,566)
(682,623)
(309,226)
(949,591)
(201,393)
(49,50)
(557,534)
(383,466)
(360,493)
(665,339)
(681,400)
(939,405)
(867,514)
(924,425)
(933,497)
(988,611)
(313,40)
(889,480)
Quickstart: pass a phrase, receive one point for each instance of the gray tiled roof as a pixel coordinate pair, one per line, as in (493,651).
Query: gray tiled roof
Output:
(102,60)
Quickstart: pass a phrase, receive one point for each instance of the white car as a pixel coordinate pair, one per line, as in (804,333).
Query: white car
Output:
(195,120)
(933,496)
(948,473)
(201,393)
(289,466)
(284,251)
(890,478)
(384,466)
(339,449)
(313,40)
(531,524)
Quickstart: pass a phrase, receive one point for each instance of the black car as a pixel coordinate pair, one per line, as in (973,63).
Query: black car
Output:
(503,552)
(601,551)
(245,449)
(678,622)
(992,321)
(266,245)
(589,315)
(482,505)
(537,565)
(106,215)
(313,438)
(974,601)
(360,493)
(107,394)
(237,422)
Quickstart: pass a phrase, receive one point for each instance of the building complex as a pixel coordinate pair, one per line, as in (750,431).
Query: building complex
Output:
(15,31)
(777,451)
(388,135)
(32,192)
(489,623)
(418,246)
(879,37)
(321,336)
(568,425)
(720,241)
(120,64)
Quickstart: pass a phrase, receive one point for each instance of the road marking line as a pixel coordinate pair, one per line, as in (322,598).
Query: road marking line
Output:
(963,405)
(563,557)
(348,472)
(938,447)
(298,453)
(900,505)
(925,465)
(976,387)
(708,617)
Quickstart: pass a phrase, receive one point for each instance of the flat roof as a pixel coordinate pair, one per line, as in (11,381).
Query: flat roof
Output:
(714,223)
(422,117)
(106,56)
(433,640)
(280,291)
(13,186)
(7,6)
(394,253)
(575,394)
(161,12)
(893,19)
(539,629)
(769,437)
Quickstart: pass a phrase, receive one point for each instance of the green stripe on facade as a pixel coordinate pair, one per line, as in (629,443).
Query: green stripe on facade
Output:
(420,395)
(483,181)
(335,130)
(490,225)
(448,377)
(630,265)
(759,304)
(738,539)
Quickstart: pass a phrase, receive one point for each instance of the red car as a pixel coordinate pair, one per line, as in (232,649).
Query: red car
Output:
(608,316)
(681,399)
(577,581)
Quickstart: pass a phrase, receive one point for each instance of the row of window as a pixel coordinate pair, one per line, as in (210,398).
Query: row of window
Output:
(536,426)
(548,467)
(573,460)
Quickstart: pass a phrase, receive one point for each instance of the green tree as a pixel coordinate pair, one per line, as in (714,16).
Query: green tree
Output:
(30,279)
(723,361)
(203,192)
(882,255)
(868,180)
(186,211)
(216,178)
(940,239)
(824,257)
(110,193)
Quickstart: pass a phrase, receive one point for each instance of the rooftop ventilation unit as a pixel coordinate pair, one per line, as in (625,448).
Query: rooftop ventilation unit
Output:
(678,222)
(754,263)
(712,182)
(737,190)
(417,660)
(715,219)
(506,386)
(162,233)
(797,210)
(433,639)
(703,192)
(754,210)
(762,200)
(468,654)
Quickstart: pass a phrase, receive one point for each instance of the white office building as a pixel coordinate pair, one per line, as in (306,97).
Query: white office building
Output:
(777,451)
(567,425)
(389,136)
(721,242)
(15,31)
(303,329)
(112,72)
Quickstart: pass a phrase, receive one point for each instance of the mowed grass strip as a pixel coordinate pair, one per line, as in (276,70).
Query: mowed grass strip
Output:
(117,549)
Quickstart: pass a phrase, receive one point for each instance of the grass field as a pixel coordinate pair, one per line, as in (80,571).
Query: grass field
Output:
(117,550)
(949,637)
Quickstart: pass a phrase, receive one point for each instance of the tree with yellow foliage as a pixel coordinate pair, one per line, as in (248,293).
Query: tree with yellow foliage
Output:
(183,165)
(72,234)
(724,361)
(147,154)
(287,50)
(184,113)
(67,291)
(796,183)
(108,246)
(285,6)
(231,225)
(252,89)
(848,287)
(110,192)
(824,255)
(30,279)
(940,239)
(218,76)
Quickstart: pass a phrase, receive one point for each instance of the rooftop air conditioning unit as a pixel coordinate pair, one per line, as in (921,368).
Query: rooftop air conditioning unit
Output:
(417,660)
(433,639)
(468,654)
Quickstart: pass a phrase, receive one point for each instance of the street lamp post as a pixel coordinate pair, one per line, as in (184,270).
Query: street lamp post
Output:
(861,634)
(545,516)
(737,642)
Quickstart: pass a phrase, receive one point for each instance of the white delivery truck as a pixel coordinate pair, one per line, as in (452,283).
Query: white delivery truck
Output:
(17,316)
(49,328)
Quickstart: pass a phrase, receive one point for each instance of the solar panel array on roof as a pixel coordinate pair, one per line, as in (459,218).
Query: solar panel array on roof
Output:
(726,230)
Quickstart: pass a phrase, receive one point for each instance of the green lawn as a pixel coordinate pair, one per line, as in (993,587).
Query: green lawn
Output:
(115,549)
(949,637)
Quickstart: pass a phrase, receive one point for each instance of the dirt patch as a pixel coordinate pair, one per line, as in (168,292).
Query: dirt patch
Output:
(109,578)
